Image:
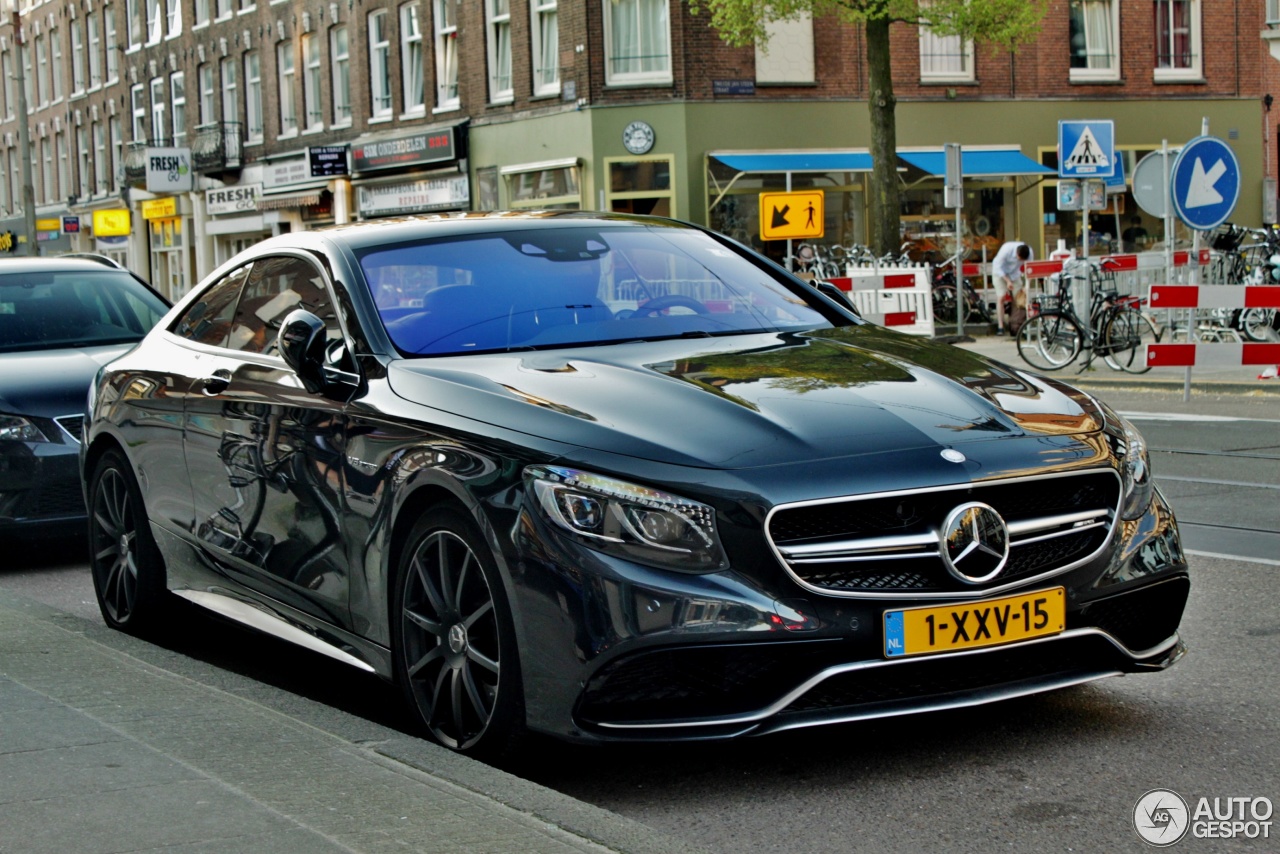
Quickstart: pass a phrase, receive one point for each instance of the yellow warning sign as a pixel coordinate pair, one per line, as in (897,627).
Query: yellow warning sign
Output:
(790,216)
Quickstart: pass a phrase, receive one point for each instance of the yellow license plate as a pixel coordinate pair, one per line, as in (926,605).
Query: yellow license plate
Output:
(970,625)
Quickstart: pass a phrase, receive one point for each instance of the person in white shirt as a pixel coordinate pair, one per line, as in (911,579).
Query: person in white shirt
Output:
(1006,271)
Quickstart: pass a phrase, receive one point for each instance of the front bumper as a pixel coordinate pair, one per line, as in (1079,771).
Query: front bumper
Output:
(40,488)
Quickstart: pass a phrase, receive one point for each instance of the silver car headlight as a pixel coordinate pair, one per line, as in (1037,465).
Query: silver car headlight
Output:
(628,520)
(19,429)
(1135,465)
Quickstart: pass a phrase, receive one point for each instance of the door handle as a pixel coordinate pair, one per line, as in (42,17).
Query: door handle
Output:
(215,384)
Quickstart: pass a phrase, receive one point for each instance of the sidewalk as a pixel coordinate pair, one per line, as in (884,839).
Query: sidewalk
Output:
(1217,376)
(103,751)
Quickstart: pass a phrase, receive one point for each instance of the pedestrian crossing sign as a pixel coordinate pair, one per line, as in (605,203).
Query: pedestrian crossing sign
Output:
(1086,149)
(791,216)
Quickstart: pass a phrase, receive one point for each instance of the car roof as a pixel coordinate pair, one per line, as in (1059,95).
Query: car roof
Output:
(58,264)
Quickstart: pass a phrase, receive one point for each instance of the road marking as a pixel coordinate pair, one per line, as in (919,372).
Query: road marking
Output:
(1180,416)
(1234,557)
(1218,482)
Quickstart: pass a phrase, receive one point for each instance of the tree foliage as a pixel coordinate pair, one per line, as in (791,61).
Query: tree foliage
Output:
(1007,23)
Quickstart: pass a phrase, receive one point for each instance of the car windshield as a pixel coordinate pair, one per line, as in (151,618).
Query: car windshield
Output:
(561,287)
(47,310)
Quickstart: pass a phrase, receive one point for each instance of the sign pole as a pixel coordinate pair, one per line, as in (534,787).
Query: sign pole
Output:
(953,197)
(790,255)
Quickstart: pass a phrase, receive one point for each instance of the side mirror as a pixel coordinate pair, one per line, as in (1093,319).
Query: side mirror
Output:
(841,299)
(301,341)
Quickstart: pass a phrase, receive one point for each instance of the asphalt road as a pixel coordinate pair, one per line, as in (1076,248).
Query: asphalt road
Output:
(1058,772)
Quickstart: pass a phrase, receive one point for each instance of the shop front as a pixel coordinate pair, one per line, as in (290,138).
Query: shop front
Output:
(171,257)
(421,172)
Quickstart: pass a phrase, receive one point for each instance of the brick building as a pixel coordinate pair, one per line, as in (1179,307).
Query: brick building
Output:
(297,113)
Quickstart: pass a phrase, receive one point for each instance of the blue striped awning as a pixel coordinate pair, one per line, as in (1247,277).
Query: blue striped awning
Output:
(977,163)
(796,161)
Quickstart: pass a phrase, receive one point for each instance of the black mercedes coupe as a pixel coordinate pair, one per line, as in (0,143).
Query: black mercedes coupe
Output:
(617,478)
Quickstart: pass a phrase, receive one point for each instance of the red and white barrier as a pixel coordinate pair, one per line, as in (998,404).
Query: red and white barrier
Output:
(899,298)
(1127,263)
(1224,352)
(1214,296)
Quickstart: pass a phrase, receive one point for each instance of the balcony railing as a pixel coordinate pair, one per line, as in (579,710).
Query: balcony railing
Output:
(135,164)
(216,147)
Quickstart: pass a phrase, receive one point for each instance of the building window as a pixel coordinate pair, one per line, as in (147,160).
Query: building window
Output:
(446,56)
(109,33)
(230,91)
(173,14)
(155,21)
(224,9)
(202,14)
(137,100)
(29,78)
(340,53)
(133,23)
(288,112)
(637,41)
(95,51)
(379,65)
(1095,53)
(158,130)
(77,58)
(117,151)
(786,54)
(545,32)
(178,94)
(10,92)
(16,182)
(64,163)
(42,71)
(82,141)
(55,47)
(253,96)
(46,171)
(945,58)
(413,65)
(1177,25)
(499,33)
(312,113)
(1273,13)
(205,75)
(99,159)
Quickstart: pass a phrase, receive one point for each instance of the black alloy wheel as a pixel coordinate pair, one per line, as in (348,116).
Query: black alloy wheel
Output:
(128,572)
(455,643)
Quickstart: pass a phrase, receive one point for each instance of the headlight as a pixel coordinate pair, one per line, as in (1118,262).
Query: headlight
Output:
(19,429)
(1135,468)
(631,521)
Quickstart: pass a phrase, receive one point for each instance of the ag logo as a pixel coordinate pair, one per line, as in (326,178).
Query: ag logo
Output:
(1161,817)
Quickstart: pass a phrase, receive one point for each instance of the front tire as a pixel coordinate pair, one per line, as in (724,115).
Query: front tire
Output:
(454,638)
(1049,341)
(128,571)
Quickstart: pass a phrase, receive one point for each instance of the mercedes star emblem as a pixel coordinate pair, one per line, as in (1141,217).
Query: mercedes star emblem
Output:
(975,543)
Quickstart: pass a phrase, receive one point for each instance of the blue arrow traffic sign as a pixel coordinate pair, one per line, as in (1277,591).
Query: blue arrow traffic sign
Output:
(1205,183)
(1086,149)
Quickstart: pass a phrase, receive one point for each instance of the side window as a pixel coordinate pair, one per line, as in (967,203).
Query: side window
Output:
(208,319)
(277,286)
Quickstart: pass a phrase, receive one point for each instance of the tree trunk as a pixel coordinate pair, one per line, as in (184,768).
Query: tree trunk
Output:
(885,234)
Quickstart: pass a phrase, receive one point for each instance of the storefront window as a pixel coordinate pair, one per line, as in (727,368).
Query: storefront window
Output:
(640,185)
(544,186)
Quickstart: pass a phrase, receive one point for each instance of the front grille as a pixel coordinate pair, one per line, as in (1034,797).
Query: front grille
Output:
(55,498)
(1139,619)
(885,544)
(73,426)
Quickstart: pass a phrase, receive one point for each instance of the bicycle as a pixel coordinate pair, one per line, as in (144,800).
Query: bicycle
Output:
(1117,330)
(945,300)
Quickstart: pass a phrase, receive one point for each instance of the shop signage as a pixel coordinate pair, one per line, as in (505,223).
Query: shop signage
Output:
(327,160)
(426,147)
(70,224)
(111,223)
(54,224)
(733,87)
(429,194)
(160,208)
(791,216)
(237,199)
(7,243)
(285,173)
(168,170)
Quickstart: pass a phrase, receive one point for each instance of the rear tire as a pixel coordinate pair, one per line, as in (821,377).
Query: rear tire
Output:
(128,571)
(1127,335)
(944,304)
(1049,341)
(453,638)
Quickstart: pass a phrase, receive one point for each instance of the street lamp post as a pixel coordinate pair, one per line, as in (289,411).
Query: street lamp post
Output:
(24,136)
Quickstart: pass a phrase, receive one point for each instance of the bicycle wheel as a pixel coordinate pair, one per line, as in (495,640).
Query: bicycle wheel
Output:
(1257,324)
(1125,338)
(1049,341)
(944,304)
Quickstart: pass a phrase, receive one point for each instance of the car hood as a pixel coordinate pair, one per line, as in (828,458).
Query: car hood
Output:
(751,400)
(52,383)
